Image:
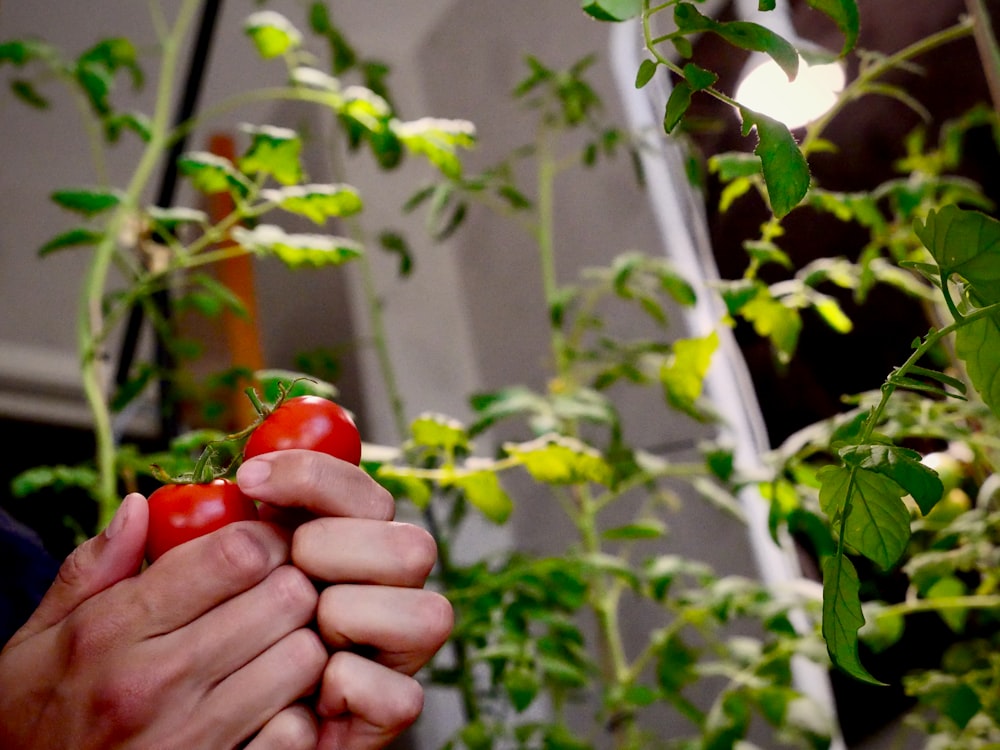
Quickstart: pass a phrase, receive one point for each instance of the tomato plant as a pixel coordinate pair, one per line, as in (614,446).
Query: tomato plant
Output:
(181,512)
(309,422)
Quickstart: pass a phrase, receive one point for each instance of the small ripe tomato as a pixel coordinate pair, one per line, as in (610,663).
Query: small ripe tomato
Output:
(309,422)
(181,512)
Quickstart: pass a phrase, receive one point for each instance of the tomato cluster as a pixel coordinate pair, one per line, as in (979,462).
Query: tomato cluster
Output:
(179,512)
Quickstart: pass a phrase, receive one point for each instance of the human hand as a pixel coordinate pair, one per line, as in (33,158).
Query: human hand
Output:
(201,650)
(373,602)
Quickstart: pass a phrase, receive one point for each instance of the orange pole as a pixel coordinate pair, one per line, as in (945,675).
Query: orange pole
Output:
(241,334)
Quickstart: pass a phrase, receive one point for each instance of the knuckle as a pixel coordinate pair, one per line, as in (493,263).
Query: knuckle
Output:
(127,696)
(243,552)
(293,593)
(306,653)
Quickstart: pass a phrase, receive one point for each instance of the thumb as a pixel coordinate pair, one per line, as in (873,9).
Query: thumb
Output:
(100,562)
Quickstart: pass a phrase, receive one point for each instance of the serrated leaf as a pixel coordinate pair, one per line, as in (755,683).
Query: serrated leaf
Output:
(844,14)
(901,465)
(272,33)
(86,202)
(273,151)
(842,617)
(437,431)
(966,243)
(437,139)
(868,506)
(317,202)
(297,250)
(978,345)
(521,685)
(556,459)
(698,77)
(55,478)
(743,34)
(786,172)
(210,173)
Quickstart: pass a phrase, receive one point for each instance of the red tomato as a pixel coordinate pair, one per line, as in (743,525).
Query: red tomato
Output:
(309,422)
(181,512)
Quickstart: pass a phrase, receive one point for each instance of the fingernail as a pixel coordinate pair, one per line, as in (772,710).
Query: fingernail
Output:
(253,473)
(119,519)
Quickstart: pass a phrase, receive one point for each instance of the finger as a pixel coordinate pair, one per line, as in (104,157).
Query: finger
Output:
(316,482)
(364,705)
(237,631)
(247,700)
(294,728)
(94,566)
(404,627)
(194,577)
(360,550)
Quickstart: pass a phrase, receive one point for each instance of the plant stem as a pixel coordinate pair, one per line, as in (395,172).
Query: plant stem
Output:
(986,43)
(858,87)
(91,324)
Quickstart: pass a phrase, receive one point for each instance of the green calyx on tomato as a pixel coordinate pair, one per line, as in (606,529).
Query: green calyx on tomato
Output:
(190,506)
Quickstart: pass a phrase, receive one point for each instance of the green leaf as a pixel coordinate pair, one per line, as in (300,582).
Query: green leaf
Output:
(439,140)
(743,34)
(945,588)
(868,507)
(677,105)
(648,529)
(683,375)
(756,38)
(55,478)
(27,93)
(645,73)
(842,617)
(272,33)
(699,78)
(966,243)
(786,172)
(772,319)
(273,151)
(831,312)
(611,10)
(521,685)
(297,250)
(845,15)
(556,459)
(483,490)
(901,465)
(210,173)
(73,238)
(86,202)
(978,345)
(439,432)
(316,202)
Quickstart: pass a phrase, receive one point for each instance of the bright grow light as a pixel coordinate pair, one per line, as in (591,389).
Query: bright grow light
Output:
(766,89)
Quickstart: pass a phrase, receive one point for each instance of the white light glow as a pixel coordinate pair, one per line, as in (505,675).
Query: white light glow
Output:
(766,89)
